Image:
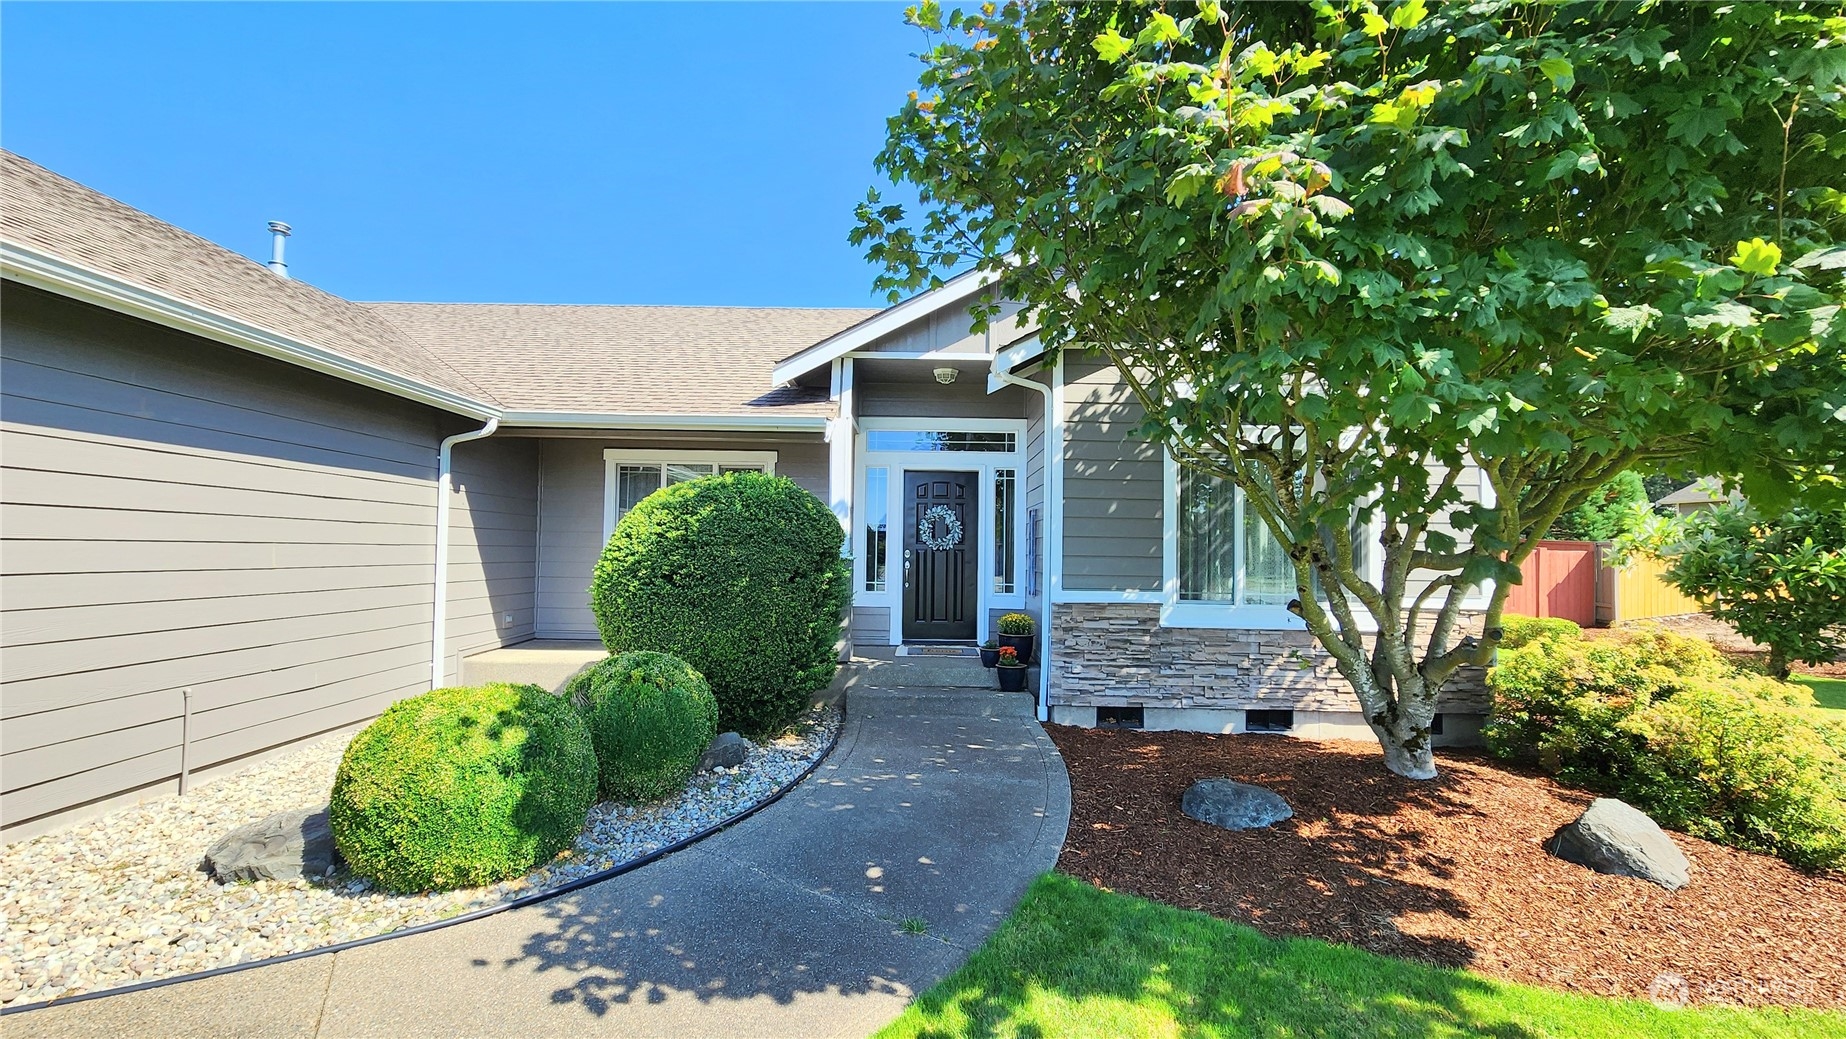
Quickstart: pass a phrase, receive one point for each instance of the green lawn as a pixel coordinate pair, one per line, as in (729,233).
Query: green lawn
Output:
(1077,961)
(1828,692)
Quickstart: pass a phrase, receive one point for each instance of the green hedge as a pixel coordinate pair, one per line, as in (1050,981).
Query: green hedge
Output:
(462,787)
(1518,631)
(651,716)
(1667,724)
(738,575)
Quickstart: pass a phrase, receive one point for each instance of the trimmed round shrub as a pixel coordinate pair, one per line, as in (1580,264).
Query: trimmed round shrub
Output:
(651,716)
(738,575)
(462,787)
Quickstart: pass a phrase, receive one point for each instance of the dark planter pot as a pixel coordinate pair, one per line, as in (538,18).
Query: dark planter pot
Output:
(1012,679)
(1021,643)
(990,657)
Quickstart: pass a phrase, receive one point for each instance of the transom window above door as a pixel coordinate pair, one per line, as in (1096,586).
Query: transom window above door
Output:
(631,475)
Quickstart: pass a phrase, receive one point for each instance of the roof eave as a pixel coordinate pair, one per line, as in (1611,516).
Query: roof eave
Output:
(629,420)
(29,266)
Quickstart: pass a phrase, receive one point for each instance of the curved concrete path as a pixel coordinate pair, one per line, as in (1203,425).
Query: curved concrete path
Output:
(937,805)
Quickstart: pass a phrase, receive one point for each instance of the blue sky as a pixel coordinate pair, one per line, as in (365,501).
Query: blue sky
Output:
(587,153)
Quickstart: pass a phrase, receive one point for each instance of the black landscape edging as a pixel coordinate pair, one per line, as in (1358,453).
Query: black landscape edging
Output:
(477,914)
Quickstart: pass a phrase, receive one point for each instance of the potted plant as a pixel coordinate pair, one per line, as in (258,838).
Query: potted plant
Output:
(1011,671)
(1016,631)
(990,653)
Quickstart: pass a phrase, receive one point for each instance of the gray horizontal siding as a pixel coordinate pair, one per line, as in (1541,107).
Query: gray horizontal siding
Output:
(950,330)
(871,625)
(571,515)
(493,547)
(181,515)
(1113,490)
(964,398)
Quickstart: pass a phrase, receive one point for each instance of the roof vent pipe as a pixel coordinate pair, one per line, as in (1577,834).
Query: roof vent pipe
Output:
(276,263)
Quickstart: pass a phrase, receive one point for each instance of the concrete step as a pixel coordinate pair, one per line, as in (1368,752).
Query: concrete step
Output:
(926,673)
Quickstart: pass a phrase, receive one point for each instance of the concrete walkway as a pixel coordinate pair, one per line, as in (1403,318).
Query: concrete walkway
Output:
(938,805)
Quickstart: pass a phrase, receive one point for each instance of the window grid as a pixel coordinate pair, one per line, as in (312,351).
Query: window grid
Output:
(1005,481)
(877,520)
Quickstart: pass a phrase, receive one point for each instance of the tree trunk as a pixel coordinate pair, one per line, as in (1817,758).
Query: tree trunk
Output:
(1779,664)
(1407,749)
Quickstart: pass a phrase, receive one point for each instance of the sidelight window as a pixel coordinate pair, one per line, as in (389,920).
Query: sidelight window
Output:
(877,520)
(1005,480)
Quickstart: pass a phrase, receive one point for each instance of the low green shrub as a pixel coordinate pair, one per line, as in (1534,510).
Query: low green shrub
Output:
(650,716)
(1017,624)
(740,576)
(1517,631)
(461,787)
(1667,724)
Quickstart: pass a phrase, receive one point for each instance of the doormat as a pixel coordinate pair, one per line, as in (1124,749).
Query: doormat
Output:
(938,651)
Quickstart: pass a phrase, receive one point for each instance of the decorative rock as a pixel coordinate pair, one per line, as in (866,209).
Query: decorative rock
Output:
(1616,838)
(728,750)
(1233,805)
(284,846)
(135,871)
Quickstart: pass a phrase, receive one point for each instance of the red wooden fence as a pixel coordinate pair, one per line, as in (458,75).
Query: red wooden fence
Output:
(1560,581)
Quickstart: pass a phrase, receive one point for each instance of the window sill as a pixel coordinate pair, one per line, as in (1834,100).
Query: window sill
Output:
(1247,618)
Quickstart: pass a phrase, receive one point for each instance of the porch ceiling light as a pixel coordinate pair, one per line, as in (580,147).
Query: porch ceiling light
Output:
(947,375)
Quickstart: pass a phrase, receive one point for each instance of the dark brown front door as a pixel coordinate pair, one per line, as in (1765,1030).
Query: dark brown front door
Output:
(940,527)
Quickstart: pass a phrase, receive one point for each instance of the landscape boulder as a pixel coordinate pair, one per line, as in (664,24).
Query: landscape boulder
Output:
(727,750)
(1616,838)
(283,846)
(1233,805)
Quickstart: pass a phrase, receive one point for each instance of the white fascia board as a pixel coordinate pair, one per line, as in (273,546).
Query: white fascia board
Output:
(877,326)
(690,423)
(29,266)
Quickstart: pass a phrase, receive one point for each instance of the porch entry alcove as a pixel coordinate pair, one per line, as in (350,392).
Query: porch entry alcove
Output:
(951,487)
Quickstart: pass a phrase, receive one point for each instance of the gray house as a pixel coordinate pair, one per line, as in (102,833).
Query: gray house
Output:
(239,512)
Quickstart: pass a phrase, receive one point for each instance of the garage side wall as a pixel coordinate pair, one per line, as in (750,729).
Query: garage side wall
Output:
(185,522)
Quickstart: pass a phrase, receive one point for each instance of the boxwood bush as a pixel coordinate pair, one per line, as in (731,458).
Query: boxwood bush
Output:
(462,787)
(651,716)
(1665,723)
(738,575)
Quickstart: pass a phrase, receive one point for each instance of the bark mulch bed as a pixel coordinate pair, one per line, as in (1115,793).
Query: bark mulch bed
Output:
(1449,872)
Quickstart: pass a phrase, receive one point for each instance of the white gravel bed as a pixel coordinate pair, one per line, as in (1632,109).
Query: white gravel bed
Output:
(121,898)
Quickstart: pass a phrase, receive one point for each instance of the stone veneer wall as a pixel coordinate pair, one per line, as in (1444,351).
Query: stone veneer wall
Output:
(1117,654)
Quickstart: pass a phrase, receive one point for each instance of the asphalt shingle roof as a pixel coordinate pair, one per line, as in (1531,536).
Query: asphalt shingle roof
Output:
(523,357)
(625,359)
(79,225)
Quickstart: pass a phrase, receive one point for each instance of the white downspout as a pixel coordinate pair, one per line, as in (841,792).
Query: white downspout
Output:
(444,480)
(1054,479)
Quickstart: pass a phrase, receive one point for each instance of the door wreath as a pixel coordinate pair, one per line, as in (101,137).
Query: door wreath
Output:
(926,528)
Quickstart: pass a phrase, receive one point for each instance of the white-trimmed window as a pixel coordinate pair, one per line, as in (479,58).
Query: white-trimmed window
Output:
(631,475)
(1224,568)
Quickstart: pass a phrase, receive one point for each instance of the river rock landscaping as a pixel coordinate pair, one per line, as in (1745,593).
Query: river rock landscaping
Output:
(123,898)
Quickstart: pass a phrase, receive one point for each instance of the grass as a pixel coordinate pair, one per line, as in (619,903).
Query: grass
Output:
(1078,961)
(1828,692)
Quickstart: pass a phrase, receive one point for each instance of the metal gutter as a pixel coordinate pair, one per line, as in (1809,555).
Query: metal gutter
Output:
(613,420)
(445,481)
(1001,374)
(29,266)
